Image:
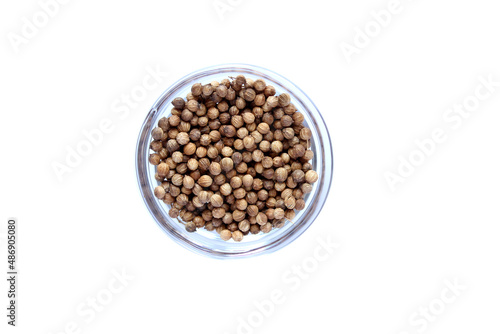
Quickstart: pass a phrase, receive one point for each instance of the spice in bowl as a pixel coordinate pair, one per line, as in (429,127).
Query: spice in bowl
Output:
(233,158)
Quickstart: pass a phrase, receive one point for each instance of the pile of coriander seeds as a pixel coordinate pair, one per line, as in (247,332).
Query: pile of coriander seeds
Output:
(233,158)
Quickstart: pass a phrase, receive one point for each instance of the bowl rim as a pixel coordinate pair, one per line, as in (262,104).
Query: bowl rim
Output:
(294,90)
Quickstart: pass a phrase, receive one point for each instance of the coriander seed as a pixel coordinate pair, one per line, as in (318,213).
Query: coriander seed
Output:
(233,157)
(216,201)
(261,218)
(237,236)
(244,225)
(266,228)
(225,235)
(205,181)
(311,176)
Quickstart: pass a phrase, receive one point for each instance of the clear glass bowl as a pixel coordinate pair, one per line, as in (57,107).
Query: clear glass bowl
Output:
(209,243)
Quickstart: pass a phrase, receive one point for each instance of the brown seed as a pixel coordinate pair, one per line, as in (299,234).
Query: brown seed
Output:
(263,128)
(300,204)
(177,157)
(190,227)
(238,144)
(290,202)
(236,182)
(247,181)
(298,118)
(261,218)
(267,162)
(259,85)
(163,123)
(156,145)
(263,195)
(197,202)
(298,151)
(252,210)
(241,204)
(221,91)
(248,142)
(205,181)
(240,80)
(192,164)
(228,131)
(239,193)
(225,235)
(286,193)
(244,225)
(228,218)
(213,113)
(207,90)
(279,213)
(237,157)
(272,101)
(226,189)
(252,197)
(298,176)
(240,103)
(204,196)
(193,106)
(266,228)
(173,213)
(305,134)
(255,229)
(269,91)
(215,168)
(278,223)
(248,118)
(242,133)
(162,169)
(177,179)
(308,155)
(196,89)
(227,151)
(237,236)
(249,94)
(159,192)
(216,201)
(175,120)
(276,146)
(157,133)
(284,100)
(218,212)
(175,191)
(178,103)
(288,133)
(154,159)
(238,215)
(311,176)
(190,149)
(280,174)
(289,214)
(226,164)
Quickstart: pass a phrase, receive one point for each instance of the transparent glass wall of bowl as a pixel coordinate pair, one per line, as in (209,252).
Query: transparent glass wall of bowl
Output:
(209,243)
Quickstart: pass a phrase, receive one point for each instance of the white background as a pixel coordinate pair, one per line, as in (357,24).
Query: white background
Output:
(397,248)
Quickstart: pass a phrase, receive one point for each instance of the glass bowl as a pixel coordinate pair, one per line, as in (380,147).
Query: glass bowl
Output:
(208,242)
